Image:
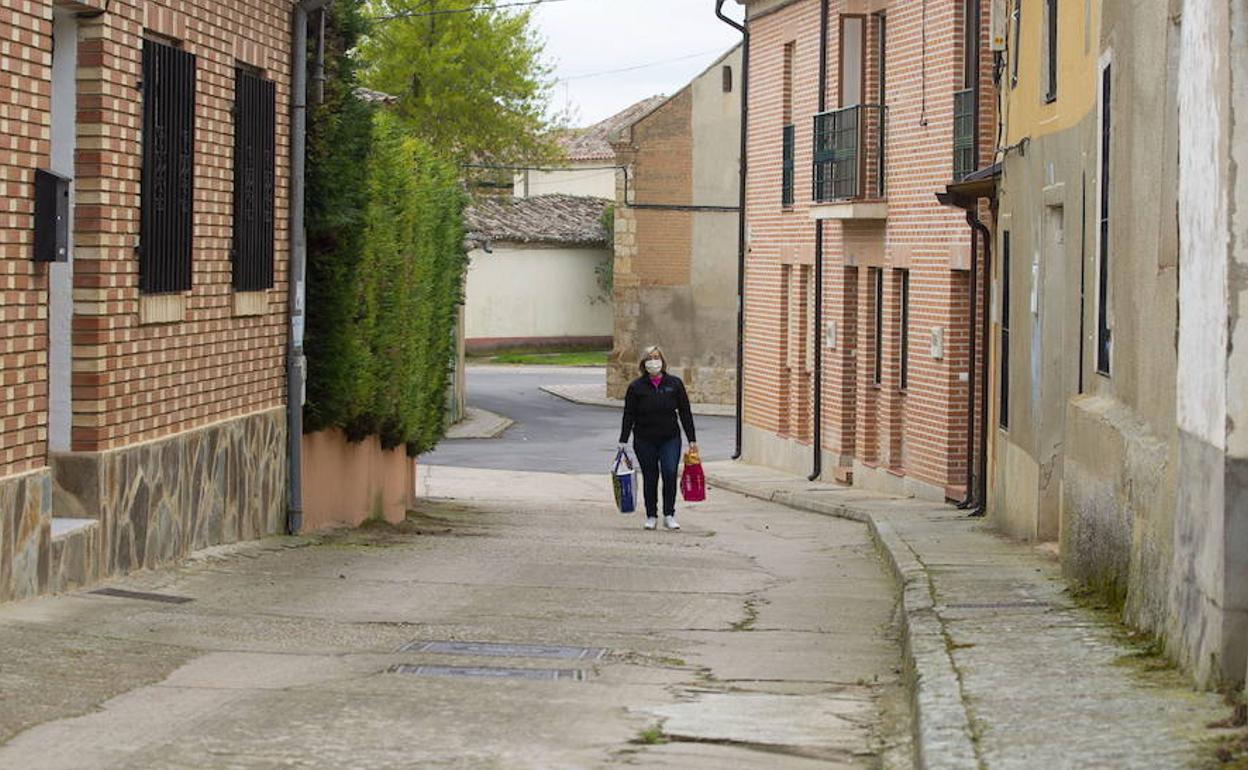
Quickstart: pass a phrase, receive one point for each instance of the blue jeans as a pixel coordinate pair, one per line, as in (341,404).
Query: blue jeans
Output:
(654,458)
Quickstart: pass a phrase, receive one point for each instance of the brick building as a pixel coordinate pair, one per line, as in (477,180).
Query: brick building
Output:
(857,278)
(143,375)
(676,210)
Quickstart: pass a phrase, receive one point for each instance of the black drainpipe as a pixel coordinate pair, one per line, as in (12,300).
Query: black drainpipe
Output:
(295,366)
(969,499)
(817,438)
(745,111)
(981,482)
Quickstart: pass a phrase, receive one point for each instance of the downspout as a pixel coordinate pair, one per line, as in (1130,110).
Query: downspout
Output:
(817,437)
(295,364)
(981,483)
(969,499)
(745,111)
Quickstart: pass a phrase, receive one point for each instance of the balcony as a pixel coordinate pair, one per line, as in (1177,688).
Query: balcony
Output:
(848,174)
(963,133)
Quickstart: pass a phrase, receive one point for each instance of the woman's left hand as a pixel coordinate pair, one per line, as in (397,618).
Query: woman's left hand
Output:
(693,446)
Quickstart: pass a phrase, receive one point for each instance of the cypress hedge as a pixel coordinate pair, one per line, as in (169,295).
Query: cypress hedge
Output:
(385,265)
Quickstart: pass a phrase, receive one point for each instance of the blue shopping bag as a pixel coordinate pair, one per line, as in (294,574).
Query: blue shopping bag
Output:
(623,482)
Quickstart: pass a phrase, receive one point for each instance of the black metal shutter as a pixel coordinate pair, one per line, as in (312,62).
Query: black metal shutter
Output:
(168,175)
(255,116)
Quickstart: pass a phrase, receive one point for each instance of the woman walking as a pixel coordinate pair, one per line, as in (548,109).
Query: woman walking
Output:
(651,406)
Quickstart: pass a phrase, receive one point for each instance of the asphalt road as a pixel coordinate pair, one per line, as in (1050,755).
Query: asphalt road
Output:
(551,434)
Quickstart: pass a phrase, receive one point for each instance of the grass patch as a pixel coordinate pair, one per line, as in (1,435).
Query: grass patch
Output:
(751,617)
(651,736)
(584,358)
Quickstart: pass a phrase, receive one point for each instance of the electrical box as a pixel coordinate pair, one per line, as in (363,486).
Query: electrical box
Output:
(938,342)
(51,217)
(829,335)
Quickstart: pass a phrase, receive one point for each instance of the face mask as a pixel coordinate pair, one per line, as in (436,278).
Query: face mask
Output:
(654,366)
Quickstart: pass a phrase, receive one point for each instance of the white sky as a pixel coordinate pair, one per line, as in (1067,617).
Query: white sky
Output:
(590,36)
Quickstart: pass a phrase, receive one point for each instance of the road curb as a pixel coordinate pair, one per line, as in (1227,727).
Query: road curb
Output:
(567,394)
(479,424)
(942,730)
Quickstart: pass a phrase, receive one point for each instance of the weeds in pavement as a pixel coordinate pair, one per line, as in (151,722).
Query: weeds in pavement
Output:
(651,736)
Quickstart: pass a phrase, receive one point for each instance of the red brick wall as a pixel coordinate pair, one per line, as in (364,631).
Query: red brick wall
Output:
(25,103)
(919,433)
(133,382)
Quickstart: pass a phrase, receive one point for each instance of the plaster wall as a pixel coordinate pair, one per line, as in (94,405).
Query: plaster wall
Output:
(346,483)
(535,292)
(591,178)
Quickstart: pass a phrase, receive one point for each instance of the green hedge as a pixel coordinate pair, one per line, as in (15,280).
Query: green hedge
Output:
(385,266)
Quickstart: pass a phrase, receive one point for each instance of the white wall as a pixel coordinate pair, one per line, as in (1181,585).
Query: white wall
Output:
(594,178)
(535,292)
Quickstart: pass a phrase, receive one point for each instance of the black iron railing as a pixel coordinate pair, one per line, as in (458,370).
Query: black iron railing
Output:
(963,133)
(255,121)
(849,153)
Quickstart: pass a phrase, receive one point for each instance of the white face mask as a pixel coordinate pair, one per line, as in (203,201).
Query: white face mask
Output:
(654,366)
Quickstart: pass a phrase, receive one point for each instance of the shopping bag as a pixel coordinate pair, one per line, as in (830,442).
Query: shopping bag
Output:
(624,483)
(692,479)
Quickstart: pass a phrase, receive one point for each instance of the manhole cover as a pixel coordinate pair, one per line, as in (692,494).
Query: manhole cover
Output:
(504,650)
(997,605)
(490,672)
(122,593)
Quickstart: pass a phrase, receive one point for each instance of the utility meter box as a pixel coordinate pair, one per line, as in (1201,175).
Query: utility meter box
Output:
(51,217)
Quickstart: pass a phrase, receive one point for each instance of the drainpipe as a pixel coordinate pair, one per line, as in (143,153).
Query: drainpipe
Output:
(817,459)
(981,493)
(969,498)
(745,111)
(295,363)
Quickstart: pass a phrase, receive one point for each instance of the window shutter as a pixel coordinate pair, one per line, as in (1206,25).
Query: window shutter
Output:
(168,173)
(255,113)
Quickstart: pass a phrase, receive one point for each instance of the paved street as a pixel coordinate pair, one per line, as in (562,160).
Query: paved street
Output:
(757,635)
(551,434)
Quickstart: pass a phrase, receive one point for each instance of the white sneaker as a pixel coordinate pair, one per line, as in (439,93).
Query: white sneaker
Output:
(669,522)
(651,523)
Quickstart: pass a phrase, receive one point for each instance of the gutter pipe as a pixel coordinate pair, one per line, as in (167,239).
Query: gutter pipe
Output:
(981,483)
(295,362)
(745,110)
(817,437)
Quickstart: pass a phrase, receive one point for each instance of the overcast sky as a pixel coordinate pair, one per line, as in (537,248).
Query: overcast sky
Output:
(588,37)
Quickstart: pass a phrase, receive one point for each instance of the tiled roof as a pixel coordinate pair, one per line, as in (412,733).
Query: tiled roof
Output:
(562,219)
(594,143)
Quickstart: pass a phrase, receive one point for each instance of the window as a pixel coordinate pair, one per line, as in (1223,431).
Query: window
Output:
(1103,337)
(726,73)
(1050,25)
(1017,19)
(168,171)
(1003,411)
(877,275)
(786,171)
(905,329)
(970,43)
(254,128)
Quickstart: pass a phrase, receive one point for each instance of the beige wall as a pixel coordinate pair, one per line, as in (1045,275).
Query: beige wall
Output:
(591,178)
(346,483)
(676,254)
(535,292)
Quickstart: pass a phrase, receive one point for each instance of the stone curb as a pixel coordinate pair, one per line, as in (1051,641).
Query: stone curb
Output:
(478,424)
(704,410)
(942,730)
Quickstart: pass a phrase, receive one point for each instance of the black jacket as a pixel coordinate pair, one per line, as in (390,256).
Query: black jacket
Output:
(651,412)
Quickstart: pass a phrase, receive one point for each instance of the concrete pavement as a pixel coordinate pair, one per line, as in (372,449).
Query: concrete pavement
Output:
(1006,668)
(757,635)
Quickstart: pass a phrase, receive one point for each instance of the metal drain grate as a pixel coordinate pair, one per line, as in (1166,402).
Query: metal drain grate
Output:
(505,650)
(122,593)
(491,672)
(997,605)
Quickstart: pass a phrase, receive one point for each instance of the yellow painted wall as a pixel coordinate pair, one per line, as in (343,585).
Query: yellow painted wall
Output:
(1078,44)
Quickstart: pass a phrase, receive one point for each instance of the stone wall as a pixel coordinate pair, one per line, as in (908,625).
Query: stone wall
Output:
(158,501)
(25,534)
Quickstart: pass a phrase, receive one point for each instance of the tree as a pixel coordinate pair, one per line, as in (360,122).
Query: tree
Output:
(471,84)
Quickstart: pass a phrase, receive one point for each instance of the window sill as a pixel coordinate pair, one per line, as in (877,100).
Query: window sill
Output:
(161,309)
(251,303)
